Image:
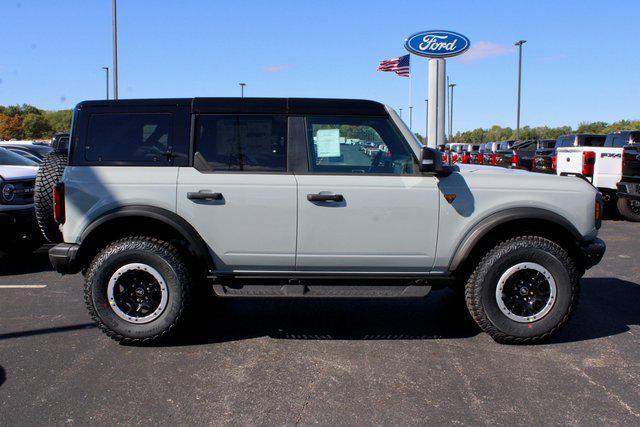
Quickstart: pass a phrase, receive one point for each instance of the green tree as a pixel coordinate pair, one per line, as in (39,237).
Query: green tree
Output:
(60,121)
(35,126)
(591,127)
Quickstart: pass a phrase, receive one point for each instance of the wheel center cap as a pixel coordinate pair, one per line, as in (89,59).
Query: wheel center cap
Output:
(139,292)
(524,291)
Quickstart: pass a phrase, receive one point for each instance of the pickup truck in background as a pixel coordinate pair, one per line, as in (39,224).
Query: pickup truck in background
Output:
(544,159)
(629,186)
(489,153)
(475,155)
(504,153)
(596,157)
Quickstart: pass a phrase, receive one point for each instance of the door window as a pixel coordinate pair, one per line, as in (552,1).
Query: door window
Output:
(357,145)
(241,143)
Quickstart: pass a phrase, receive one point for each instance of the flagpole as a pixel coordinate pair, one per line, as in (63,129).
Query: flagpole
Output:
(410,98)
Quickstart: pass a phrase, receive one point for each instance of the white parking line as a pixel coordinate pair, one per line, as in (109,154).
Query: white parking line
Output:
(22,286)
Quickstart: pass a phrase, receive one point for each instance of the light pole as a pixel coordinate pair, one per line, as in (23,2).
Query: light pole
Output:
(242,85)
(106,69)
(426,120)
(451,86)
(114,23)
(400,112)
(519,43)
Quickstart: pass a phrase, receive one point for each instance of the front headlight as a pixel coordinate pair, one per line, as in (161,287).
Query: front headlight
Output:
(8,192)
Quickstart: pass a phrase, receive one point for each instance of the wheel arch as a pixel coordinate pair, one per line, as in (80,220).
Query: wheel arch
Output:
(152,220)
(500,225)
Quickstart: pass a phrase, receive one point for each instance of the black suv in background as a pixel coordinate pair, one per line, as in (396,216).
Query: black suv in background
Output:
(545,157)
(629,186)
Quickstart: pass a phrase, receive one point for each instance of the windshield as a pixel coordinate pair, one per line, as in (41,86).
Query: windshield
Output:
(415,143)
(8,158)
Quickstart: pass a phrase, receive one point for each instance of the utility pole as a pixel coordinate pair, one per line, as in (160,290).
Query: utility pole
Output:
(114,22)
(242,85)
(400,112)
(106,69)
(519,43)
(451,86)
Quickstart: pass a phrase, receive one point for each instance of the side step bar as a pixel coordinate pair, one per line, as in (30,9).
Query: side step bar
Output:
(295,289)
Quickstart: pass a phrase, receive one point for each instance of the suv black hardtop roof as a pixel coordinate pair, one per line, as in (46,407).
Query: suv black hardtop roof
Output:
(254,105)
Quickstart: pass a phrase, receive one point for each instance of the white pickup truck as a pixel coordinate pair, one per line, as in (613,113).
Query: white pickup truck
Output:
(596,157)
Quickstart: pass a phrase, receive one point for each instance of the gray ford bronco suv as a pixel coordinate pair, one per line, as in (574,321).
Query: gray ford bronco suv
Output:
(161,200)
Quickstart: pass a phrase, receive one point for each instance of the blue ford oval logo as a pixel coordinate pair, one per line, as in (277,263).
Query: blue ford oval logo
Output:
(437,43)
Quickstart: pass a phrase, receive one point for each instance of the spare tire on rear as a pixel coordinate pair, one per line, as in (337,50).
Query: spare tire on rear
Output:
(49,174)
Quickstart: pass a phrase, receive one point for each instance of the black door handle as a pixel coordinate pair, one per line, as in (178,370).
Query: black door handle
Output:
(325,197)
(204,195)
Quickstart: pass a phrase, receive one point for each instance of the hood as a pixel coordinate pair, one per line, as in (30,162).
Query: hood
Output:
(8,173)
(492,170)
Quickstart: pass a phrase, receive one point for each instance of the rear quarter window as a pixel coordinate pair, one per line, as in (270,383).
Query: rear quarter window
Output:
(129,137)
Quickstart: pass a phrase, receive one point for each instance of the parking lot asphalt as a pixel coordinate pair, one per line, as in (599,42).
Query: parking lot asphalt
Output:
(322,361)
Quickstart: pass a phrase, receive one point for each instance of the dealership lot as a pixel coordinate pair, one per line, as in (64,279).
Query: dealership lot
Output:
(326,361)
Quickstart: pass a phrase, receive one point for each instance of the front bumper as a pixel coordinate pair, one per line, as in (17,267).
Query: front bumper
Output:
(18,225)
(63,258)
(629,190)
(592,252)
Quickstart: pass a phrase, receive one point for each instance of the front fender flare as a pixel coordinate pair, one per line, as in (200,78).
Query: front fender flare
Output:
(488,223)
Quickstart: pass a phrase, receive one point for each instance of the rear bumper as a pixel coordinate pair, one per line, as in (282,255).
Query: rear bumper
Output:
(63,258)
(629,190)
(592,252)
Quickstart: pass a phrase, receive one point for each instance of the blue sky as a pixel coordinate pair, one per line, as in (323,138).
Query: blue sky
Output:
(580,61)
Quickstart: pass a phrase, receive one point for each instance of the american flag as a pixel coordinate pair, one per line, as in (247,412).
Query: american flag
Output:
(398,65)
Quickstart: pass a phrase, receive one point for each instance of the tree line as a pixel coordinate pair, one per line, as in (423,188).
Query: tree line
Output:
(28,122)
(499,133)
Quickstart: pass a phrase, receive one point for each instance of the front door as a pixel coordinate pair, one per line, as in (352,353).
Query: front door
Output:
(362,206)
(238,194)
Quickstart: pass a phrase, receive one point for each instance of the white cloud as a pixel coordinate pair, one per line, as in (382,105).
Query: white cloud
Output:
(274,68)
(482,50)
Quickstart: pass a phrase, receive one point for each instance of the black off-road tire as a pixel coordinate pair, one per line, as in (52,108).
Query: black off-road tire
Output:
(49,173)
(629,209)
(158,254)
(480,289)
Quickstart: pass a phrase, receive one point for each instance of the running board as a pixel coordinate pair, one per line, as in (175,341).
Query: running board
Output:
(297,290)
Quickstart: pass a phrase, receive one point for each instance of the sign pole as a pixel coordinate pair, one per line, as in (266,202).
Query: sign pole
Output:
(410,100)
(436,114)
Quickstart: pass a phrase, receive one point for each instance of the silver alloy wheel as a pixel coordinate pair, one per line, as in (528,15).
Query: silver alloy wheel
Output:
(526,292)
(137,293)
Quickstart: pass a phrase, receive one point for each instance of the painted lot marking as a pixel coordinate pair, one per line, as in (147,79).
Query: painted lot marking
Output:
(22,286)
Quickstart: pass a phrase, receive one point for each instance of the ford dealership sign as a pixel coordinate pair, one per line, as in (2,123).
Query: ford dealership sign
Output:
(437,43)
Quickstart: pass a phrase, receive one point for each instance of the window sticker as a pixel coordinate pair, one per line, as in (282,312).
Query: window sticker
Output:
(328,143)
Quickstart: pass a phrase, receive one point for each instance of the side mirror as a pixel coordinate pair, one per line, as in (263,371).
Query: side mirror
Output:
(431,161)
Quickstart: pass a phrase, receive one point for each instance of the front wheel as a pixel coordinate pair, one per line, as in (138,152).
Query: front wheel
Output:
(138,289)
(523,290)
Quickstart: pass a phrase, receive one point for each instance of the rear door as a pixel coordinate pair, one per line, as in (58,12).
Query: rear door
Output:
(362,204)
(238,193)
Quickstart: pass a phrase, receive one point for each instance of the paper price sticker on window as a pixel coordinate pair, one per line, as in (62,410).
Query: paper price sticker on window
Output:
(328,142)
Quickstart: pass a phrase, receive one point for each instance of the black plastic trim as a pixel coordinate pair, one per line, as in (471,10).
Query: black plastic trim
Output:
(485,225)
(186,230)
(63,258)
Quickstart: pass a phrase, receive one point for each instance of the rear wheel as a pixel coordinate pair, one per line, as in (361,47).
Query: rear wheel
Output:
(138,289)
(523,290)
(49,173)
(630,209)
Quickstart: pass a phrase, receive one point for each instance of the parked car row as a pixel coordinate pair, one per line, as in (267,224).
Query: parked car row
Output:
(597,158)
(19,163)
